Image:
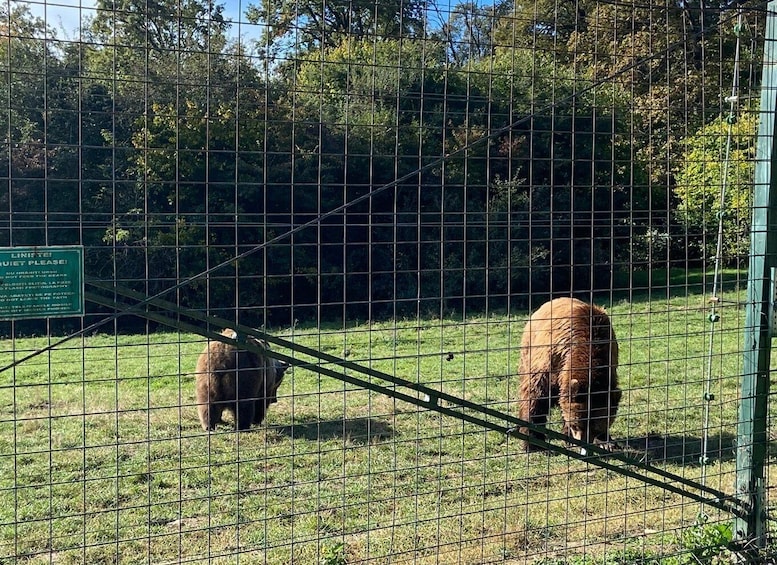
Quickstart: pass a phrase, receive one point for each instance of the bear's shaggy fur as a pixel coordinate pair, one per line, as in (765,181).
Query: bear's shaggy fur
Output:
(569,358)
(240,381)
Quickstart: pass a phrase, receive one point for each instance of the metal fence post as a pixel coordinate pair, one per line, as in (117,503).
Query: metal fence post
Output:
(752,423)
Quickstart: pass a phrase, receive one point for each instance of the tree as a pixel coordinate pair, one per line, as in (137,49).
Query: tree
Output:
(676,60)
(40,132)
(371,127)
(149,50)
(715,184)
(161,25)
(561,184)
(302,26)
(543,25)
(468,30)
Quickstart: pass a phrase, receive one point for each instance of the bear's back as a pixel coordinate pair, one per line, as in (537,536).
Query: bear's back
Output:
(229,373)
(558,326)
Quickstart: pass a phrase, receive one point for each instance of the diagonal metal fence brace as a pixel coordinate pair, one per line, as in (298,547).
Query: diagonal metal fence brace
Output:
(505,423)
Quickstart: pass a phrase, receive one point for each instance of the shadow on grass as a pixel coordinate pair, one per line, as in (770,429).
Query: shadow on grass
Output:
(355,430)
(682,449)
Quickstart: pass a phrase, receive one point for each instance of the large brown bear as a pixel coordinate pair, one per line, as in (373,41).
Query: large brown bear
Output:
(240,381)
(569,358)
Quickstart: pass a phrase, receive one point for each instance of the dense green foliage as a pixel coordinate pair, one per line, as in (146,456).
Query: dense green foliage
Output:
(439,160)
(715,186)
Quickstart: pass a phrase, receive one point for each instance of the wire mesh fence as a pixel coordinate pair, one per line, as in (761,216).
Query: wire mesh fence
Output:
(378,195)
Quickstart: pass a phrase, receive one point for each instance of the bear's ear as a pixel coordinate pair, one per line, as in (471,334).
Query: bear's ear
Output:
(574,387)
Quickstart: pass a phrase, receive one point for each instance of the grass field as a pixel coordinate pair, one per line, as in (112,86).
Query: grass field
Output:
(102,458)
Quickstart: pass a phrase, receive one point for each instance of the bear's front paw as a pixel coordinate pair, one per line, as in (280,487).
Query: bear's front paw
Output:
(608,444)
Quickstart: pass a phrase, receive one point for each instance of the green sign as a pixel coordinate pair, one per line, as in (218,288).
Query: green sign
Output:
(41,282)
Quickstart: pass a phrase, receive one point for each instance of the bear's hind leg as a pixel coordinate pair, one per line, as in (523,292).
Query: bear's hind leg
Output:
(210,415)
(209,404)
(204,412)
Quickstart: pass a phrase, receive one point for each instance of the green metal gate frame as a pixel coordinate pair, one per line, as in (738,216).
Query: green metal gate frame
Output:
(750,529)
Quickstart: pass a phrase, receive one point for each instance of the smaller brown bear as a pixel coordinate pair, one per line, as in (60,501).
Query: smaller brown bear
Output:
(240,381)
(569,358)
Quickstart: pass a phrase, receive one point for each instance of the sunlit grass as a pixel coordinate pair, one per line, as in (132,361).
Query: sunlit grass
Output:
(102,458)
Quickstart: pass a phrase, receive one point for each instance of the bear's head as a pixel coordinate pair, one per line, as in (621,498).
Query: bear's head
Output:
(591,413)
(275,375)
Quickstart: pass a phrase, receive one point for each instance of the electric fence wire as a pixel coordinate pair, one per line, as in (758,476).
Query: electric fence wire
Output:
(717,287)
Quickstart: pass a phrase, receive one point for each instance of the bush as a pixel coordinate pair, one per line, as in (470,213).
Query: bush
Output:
(719,156)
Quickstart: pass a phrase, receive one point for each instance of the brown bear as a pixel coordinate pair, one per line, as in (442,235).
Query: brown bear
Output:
(569,358)
(234,379)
